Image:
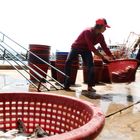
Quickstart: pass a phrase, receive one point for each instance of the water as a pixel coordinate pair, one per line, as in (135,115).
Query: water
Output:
(78,92)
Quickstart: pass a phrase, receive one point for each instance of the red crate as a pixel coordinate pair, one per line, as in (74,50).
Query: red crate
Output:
(118,73)
(60,116)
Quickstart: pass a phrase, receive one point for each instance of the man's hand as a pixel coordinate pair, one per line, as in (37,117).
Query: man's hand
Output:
(105,59)
(112,57)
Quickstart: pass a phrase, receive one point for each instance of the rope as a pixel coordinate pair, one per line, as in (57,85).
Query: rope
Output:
(119,111)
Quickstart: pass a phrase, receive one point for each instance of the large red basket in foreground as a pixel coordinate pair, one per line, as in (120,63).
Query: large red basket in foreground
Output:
(117,70)
(64,118)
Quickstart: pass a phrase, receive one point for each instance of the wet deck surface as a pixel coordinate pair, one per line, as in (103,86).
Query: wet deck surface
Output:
(120,123)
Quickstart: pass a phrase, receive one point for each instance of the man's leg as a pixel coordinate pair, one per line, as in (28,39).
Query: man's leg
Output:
(138,55)
(88,60)
(72,55)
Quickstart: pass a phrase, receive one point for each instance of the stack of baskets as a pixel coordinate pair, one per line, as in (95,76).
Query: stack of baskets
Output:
(98,63)
(43,52)
(61,58)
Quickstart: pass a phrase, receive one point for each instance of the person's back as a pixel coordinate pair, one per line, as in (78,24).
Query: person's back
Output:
(89,34)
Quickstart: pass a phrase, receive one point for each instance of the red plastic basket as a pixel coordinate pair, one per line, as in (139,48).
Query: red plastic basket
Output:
(64,118)
(120,65)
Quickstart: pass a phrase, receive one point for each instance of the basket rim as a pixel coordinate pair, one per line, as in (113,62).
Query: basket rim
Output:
(120,60)
(94,125)
(115,62)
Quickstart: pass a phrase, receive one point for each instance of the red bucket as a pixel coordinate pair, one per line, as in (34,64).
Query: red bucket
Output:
(43,52)
(73,75)
(60,64)
(105,74)
(98,67)
(42,67)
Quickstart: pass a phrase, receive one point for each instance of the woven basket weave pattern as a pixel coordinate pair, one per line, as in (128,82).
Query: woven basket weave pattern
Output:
(55,114)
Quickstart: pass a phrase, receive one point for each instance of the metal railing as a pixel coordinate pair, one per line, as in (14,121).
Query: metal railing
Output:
(9,49)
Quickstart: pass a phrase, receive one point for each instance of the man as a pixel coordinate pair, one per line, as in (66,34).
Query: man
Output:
(84,45)
(134,49)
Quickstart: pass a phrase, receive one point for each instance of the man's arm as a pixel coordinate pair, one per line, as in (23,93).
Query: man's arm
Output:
(88,38)
(91,47)
(105,48)
(136,45)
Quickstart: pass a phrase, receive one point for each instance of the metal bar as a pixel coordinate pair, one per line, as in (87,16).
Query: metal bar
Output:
(14,66)
(25,69)
(34,55)
(38,68)
(33,69)
(23,62)
(21,73)
(38,88)
(33,76)
(48,76)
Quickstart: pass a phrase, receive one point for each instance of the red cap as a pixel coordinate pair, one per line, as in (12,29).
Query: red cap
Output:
(102,22)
